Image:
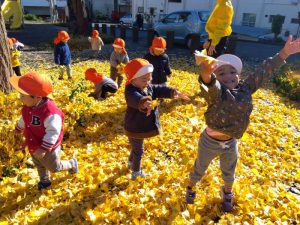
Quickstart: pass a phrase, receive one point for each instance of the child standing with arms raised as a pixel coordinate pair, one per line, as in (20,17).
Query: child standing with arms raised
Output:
(160,61)
(142,117)
(42,124)
(227,117)
(62,54)
(118,56)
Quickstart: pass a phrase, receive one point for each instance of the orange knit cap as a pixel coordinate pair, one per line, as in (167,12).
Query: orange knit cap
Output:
(61,36)
(159,43)
(119,43)
(92,75)
(95,34)
(136,68)
(32,84)
(14,40)
(10,42)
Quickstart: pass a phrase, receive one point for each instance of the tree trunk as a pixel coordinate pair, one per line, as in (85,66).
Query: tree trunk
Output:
(78,11)
(5,64)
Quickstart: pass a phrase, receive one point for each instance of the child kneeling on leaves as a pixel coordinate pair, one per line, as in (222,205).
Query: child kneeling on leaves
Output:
(103,84)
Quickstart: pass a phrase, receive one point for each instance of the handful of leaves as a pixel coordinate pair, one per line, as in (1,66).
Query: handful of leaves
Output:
(120,68)
(154,103)
(202,56)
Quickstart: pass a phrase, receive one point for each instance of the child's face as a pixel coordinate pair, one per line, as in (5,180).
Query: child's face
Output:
(143,81)
(118,50)
(29,101)
(228,76)
(157,51)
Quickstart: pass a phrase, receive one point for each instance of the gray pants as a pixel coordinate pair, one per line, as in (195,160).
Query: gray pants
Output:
(62,69)
(50,163)
(137,151)
(208,149)
(115,76)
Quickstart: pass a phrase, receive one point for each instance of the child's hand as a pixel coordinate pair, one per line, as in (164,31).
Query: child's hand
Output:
(290,47)
(207,68)
(205,45)
(148,106)
(39,153)
(211,50)
(180,95)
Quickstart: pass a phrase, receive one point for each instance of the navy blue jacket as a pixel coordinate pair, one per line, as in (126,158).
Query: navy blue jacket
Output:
(161,67)
(62,54)
(137,124)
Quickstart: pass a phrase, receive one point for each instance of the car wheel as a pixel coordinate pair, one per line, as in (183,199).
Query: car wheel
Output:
(188,42)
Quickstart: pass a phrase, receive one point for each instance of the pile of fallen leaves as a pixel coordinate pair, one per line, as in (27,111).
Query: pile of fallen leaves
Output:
(268,174)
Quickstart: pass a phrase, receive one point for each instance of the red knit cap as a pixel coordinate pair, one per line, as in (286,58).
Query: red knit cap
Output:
(61,36)
(92,75)
(159,43)
(136,68)
(119,43)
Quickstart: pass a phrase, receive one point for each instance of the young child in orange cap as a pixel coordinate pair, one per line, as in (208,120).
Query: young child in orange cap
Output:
(159,59)
(62,54)
(17,45)
(228,113)
(142,117)
(103,84)
(118,56)
(96,43)
(42,124)
(14,57)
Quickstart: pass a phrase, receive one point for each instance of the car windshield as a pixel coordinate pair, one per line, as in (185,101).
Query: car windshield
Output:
(203,16)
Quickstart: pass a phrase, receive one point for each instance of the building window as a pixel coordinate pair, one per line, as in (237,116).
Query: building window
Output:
(272,17)
(178,1)
(249,19)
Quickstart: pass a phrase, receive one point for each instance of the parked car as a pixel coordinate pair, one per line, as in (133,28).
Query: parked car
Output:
(184,24)
(127,20)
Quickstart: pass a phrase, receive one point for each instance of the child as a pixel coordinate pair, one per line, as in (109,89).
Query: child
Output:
(17,45)
(15,57)
(227,116)
(218,28)
(96,43)
(160,61)
(118,56)
(42,125)
(62,54)
(102,84)
(141,117)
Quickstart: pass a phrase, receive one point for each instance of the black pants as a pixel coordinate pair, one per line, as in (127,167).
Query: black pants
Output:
(220,48)
(17,70)
(105,89)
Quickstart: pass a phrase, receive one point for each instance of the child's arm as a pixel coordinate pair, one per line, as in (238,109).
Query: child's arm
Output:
(113,60)
(269,66)
(89,39)
(167,67)
(167,92)
(53,125)
(126,59)
(20,125)
(137,101)
(101,42)
(56,55)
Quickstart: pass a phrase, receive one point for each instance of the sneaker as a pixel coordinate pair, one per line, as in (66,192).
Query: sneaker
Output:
(70,78)
(190,195)
(75,166)
(129,164)
(136,174)
(43,185)
(60,78)
(227,200)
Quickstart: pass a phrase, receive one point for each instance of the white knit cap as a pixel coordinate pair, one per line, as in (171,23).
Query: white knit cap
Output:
(229,59)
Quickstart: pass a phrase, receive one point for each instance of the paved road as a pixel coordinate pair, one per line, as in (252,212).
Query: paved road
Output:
(34,35)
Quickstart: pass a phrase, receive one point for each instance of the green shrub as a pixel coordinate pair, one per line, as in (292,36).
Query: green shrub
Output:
(31,17)
(289,82)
